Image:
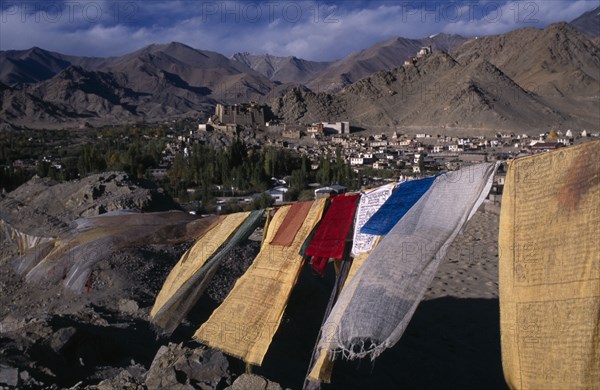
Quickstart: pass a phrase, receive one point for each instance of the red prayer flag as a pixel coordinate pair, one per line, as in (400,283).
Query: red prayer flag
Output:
(291,224)
(330,237)
(318,265)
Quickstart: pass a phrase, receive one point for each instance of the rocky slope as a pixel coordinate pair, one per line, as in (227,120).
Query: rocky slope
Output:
(384,55)
(29,66)
(102,339)
(486,85)
(17,105)
(158,81)
(43,207)
(555,61)
(437,92)
(155,67)
(282,69)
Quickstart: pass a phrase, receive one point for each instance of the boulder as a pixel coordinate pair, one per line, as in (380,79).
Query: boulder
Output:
(123,381)
(181,368)
(9,376)
(61,338)
(253,382)
(128,306)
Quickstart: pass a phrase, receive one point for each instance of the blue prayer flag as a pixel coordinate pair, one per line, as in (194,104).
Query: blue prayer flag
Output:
(401,200)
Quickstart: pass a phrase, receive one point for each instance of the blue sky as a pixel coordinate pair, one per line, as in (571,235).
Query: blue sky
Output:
(315,30)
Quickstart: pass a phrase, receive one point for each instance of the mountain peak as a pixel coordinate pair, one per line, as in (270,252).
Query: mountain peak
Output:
(170,47)
(560,26)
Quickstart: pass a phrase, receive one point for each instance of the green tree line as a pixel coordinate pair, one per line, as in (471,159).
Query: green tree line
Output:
(239,170)
(235,169)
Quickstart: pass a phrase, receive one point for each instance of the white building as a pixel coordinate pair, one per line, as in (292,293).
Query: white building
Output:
(378,144)
(357,160)
(277,193)
(334,127)
(425,50)
(380,165)
(565,141)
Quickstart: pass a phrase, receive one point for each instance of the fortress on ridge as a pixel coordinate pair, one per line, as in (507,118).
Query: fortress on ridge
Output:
(246,114)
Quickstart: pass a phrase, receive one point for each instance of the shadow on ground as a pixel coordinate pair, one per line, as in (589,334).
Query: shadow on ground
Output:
(450,343)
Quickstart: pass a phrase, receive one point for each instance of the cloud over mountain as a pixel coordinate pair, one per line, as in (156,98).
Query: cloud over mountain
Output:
(308,29)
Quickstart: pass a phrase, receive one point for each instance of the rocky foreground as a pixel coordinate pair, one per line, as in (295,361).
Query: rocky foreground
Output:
(100,338)
(51,337)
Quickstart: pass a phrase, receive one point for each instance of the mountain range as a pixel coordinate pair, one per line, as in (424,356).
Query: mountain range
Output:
(528,79)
